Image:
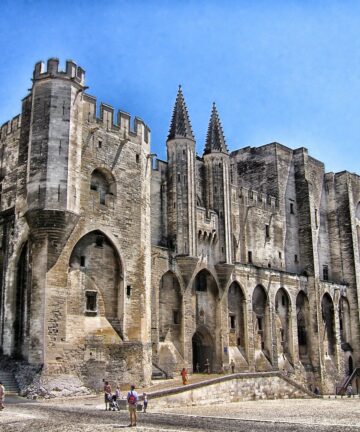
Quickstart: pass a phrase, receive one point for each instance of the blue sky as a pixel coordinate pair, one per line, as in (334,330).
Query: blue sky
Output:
(286,71)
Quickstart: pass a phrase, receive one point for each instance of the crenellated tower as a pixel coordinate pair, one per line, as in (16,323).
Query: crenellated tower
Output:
(53,179)
(181,181)
(217,183)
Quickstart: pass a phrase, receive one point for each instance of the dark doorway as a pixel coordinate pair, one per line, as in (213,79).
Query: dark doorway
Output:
(22,302)
(351,365)
(203,349)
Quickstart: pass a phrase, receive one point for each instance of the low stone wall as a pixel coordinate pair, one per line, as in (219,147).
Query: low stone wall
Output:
(221,390)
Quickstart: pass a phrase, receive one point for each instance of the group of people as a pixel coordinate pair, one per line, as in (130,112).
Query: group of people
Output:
(132,401)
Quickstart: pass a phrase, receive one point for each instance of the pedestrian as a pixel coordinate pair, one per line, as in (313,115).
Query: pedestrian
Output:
(184,376)
(2,396)
(316,390)
(145,400)
(349,390)
(207,366)
(132,399)
(197,368)
(232,365)
(107,394)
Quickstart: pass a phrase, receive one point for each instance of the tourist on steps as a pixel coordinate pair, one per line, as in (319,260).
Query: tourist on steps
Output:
(232,365)
(207,366)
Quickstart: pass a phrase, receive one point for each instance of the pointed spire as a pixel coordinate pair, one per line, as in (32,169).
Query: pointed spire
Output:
(215,140)
(180,126)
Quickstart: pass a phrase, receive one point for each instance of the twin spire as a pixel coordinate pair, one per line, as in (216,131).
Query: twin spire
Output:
(180,126)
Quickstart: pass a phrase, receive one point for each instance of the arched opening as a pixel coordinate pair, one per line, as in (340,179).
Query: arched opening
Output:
(350,365)
(261,318)
(237,317)
(21,322)
(328,316)
(170,308)
(96,280)
(283,323)
(344,322)
(303,320)
(203,350)
(207,319)
(103,182)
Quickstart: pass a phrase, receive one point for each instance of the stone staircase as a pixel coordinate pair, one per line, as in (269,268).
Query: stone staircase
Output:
(157,373)
(9,382)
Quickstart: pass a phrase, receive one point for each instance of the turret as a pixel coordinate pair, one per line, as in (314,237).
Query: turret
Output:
(217,182)
(53,180)
(181,181)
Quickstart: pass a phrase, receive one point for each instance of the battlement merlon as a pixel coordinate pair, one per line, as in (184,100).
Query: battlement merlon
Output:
(72,71)
(112,122)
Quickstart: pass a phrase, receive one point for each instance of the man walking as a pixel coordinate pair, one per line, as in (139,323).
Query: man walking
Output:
(132,399)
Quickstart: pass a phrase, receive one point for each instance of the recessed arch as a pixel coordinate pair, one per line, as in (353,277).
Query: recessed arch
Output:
(283,322)
(261,320)
(103,182)
(328,316)
(96,279)
(303,326)
(170,308)
(237,316)
(22,302)
(344,322)
(203,349)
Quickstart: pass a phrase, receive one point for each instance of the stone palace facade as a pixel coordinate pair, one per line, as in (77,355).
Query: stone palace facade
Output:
(113,263)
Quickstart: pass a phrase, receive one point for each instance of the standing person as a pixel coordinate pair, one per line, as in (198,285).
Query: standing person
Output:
(232,365)
(2,396)
(107,394)
(132,398)
(145,399)
(197,368)
(184,376)
(207,366)
(349,390)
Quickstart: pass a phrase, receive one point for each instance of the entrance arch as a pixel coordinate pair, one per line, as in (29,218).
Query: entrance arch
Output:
(237,317)
(283,323)
(207,325)
(261,317)
(203,349)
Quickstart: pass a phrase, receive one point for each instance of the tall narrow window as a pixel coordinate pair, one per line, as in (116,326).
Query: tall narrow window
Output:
(267,231)
(316,219)
(232,322)
(82,261)
(296,259)
(291,208)
(325,272)
(250,257)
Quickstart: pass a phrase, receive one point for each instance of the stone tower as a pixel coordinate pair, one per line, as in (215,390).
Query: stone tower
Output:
(53,180)
(217,183)
(181,181)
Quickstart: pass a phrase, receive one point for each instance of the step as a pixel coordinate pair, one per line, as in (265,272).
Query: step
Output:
(9,382)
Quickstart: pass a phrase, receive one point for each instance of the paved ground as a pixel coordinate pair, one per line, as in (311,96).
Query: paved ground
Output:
(85,415)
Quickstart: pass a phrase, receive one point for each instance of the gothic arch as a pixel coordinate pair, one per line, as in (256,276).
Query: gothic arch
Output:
(283,322)
(103,181)
(344,323)
(328,316)
(96,279)
(205,294)
(261,321)
(170,308)
(22,303)
(237,316)
(303,326)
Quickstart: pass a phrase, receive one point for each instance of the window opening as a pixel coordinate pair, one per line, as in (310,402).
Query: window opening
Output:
(250,257)
(296,258)
(291,208)
(232,322)
(99,143)
(267,231)
(82,261)
(99,241)
(91,303)
(325,272)
(176,317)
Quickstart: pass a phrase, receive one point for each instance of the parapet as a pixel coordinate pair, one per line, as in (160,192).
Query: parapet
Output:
(112,122)
(10,127)
(72,71)
(253,198)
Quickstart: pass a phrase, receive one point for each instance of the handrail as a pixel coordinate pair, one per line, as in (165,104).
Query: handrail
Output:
(340,390)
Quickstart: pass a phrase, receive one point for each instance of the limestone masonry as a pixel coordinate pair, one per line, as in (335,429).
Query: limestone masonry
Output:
(113,264)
